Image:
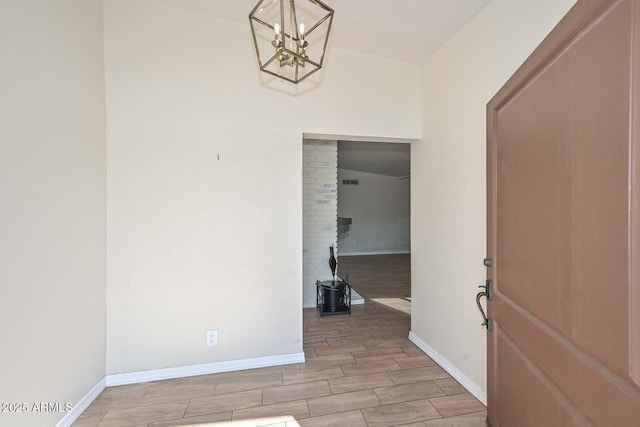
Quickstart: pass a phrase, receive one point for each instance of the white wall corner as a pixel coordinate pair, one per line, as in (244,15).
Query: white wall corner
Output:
(465,381)
(83,404)
(203,369)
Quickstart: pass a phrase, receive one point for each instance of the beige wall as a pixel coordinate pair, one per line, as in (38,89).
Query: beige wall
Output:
(205,181)
(52,204)
(448,174)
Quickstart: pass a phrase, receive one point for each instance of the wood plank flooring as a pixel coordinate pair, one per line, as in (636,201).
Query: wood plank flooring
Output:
(360,370)
(385,279)
(378,276)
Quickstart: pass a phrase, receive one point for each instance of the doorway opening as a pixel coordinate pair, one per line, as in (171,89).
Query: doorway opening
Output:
(356,198)
(374,239)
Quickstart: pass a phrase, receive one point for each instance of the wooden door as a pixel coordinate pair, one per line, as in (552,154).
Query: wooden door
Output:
(564,227)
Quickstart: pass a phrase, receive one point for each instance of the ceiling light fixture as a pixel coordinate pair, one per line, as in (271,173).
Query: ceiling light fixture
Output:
(291,35)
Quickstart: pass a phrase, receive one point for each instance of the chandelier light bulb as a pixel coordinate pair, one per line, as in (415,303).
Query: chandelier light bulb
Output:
(276,29)
(301,31)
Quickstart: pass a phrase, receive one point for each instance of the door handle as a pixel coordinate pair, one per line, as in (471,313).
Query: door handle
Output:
(486,293)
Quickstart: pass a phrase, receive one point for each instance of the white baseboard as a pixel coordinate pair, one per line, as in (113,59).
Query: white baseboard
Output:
(465,381)
(204,369)
(356,298)
(373,253)
(170,373)
(84,403)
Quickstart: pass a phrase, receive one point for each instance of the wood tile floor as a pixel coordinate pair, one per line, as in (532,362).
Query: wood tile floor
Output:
(360,370)
(385,279)
(378,276)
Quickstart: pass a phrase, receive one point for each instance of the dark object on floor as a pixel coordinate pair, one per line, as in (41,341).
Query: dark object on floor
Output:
(333,296)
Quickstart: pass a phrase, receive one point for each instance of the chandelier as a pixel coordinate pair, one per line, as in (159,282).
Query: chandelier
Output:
(290,36)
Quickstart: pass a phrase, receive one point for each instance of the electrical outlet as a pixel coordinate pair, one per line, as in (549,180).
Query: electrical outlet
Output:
(212,338)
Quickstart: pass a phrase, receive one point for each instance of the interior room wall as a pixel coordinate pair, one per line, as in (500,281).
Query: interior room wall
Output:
(52,206)
(380,209)
(205,181)
(448,176)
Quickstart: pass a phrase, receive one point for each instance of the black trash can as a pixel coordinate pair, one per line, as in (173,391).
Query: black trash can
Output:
(332,296)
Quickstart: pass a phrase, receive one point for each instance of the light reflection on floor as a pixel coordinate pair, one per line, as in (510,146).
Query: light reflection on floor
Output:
(279,421)
(400,304)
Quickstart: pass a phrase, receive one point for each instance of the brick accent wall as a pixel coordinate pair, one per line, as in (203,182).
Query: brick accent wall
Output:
(319,213)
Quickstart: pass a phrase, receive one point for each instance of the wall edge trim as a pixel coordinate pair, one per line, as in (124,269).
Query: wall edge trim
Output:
(456,373)
(202,369)
(83,404)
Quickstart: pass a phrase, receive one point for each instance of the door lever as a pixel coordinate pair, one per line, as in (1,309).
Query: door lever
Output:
(486,293)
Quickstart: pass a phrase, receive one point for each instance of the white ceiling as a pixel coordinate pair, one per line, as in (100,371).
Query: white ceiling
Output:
(375,157)
(404,30)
